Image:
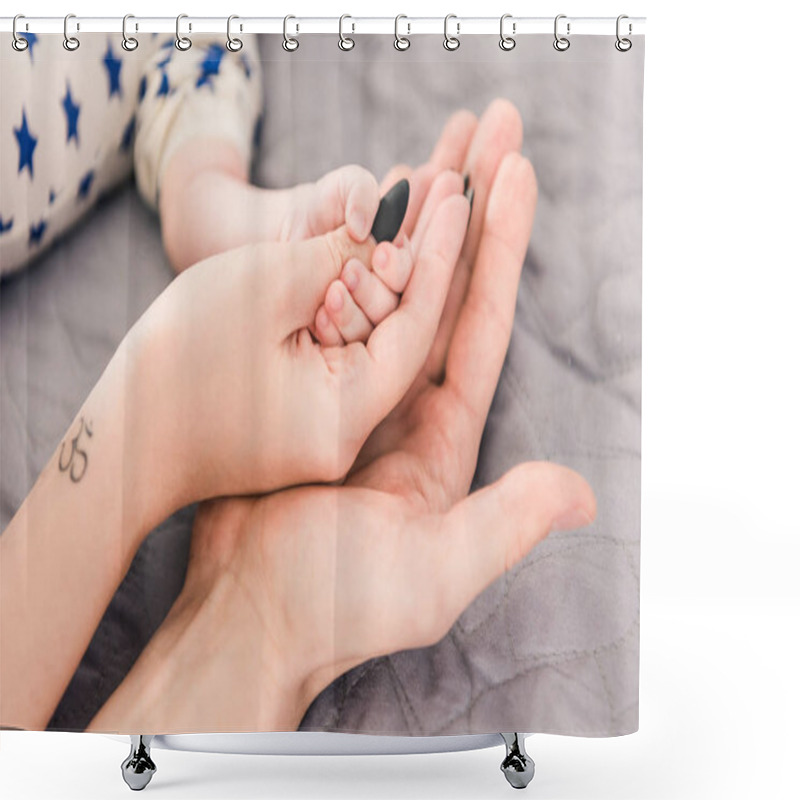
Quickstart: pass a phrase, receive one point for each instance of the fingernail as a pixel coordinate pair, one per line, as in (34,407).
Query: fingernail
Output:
(350,277)
(466,182)
(336,300)
(570,520)
(322,318)
(470,195)
(380,258)
(391,212)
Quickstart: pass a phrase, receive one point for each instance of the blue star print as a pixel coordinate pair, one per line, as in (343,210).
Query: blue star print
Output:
(163,89)
(127,134)
(85,185)
(245,65)
(113,66)
(52,197)
(6,226)
(27,144)
(71,109)
(36,233)
(210,64)
(32,40)
(142,88)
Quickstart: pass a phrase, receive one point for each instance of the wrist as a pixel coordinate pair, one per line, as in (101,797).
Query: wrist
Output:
(192,212)
(208,206)
(209,667)
(150,487)
(158,418)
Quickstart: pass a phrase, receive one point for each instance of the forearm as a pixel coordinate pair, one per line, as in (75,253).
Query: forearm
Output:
(207,204)
(72,541)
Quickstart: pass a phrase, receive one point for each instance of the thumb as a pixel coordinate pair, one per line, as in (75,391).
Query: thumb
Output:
(314,263)
(347,196)
(492,529)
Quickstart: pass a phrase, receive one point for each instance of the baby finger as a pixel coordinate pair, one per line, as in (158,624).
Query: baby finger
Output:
(373,297)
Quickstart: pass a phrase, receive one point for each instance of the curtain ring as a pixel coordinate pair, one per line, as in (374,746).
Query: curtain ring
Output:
(233,44)
(345,42)
(19,43)
(129,43)
(623,44)
(451,42)
(182,43)
(561,43)
(71,43)
(507,42)
(290,43)
(401,42)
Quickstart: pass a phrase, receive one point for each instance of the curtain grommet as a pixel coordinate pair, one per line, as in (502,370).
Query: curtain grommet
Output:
(346,43)
(401,43)
(182,43)
(561,43)
(18,42)
(623,44)
(129,43)
(451,43)
(71,43)
(290,43)
(507,42)
(234,44)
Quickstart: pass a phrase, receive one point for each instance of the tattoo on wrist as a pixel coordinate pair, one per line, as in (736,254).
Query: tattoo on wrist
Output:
(78,460)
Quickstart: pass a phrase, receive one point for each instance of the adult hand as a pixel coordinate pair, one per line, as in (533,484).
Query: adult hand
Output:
(450,399)
(244,398)
(286,592)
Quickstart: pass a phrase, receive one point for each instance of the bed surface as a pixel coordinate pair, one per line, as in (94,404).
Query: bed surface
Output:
(553,645)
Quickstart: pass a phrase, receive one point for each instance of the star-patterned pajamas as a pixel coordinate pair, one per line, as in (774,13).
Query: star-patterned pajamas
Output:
(73,124)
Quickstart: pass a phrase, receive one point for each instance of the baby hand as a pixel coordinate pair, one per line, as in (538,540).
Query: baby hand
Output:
(346,196)
(362,297)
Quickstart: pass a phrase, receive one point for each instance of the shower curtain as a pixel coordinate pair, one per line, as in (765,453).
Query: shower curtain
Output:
(371,462)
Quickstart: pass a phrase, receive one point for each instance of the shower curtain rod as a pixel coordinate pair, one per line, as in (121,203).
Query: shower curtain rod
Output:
(405,25)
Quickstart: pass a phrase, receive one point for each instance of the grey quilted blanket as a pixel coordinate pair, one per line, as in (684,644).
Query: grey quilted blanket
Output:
(553,646)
